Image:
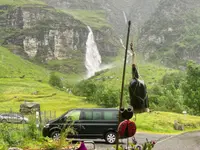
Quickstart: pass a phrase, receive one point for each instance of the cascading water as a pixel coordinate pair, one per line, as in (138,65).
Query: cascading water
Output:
(92,57)
(129,55)
(125,18)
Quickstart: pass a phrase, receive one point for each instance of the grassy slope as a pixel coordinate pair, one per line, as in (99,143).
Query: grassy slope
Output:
(163,122)
(20,2)
(95,19)
(14,90)
(150,73)
(13,66)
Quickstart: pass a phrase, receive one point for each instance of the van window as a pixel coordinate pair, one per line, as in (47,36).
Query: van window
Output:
(110,115)
(86,115)
(74,115)
(97,115)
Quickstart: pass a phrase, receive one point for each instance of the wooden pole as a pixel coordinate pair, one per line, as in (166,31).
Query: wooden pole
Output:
(123,77)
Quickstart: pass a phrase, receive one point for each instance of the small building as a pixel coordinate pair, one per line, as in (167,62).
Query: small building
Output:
(29,108)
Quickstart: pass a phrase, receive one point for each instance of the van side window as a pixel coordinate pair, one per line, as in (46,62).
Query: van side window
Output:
(110,115)
(86,115)
(97,115)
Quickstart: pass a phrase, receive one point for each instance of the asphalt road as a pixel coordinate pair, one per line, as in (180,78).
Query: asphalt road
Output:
(185,141)
(140,138)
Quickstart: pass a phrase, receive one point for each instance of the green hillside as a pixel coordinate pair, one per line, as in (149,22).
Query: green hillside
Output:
(163,122)
(93,18)
(150,73)
(12,66)
(22,81)
(20,2)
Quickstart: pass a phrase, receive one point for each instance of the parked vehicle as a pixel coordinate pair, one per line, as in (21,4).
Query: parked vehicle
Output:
(12,118)
(92,123)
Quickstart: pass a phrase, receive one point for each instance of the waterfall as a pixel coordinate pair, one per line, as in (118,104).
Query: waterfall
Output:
(125,18)
(129,54)
(92,57)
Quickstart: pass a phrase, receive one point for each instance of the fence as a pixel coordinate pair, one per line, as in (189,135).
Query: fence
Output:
(19,121)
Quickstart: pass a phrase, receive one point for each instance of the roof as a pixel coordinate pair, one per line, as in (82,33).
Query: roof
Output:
(30,105)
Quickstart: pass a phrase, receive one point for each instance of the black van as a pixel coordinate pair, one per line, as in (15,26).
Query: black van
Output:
(88,123)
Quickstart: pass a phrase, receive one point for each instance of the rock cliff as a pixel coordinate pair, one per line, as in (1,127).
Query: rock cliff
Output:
(43,34)
(171,35)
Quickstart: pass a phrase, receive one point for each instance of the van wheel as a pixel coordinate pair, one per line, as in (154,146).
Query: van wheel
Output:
(111,137)
(55,135)
(23,122)
(4,121)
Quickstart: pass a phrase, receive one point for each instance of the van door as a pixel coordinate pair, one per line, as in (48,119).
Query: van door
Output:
(110,120)
(72,123)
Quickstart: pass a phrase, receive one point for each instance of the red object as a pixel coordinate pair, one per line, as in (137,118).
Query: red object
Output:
(127,128)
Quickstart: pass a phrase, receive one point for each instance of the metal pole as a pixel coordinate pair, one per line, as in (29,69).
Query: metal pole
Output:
(122,87)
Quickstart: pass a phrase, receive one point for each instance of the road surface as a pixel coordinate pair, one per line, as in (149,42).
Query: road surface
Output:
(185,141)
(140,137)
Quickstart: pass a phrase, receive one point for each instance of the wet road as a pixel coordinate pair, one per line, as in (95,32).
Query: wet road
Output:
(140,137)
(185,141)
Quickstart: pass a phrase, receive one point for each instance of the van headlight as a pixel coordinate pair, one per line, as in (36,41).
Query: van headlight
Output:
(46,126)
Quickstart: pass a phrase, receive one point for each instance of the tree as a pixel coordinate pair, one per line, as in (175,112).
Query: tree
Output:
(55,81)
(191,87)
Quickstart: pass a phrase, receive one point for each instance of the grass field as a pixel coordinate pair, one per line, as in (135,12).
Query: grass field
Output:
(150,73)
(34,87)
(21,79)
(163,122)
(96,19)
(20,2)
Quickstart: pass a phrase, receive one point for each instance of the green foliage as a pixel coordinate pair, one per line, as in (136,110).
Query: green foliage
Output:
(167,95)
(105,97)
(180,43)
(55,80)
(97,94)
(85,88)
(20,2)
(163,122)
(191,88)
(93,18)
(21,80)
(10,136)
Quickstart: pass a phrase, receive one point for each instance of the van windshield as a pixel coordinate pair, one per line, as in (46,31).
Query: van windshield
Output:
(74,115)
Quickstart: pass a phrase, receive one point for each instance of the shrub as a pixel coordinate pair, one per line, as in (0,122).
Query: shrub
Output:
(55,81)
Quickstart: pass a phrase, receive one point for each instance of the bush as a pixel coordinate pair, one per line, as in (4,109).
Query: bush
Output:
(105,97)
(55,81)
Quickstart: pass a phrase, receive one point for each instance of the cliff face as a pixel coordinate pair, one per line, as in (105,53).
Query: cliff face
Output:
(171,35)
(118,11)
(43,34)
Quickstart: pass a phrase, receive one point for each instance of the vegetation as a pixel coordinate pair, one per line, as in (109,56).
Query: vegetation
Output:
(167,89)
(28,136)
(12,66)
(163,122)
(111,79)
(172,38)
(22,81)
(95,19)
(20,2)
(55,81)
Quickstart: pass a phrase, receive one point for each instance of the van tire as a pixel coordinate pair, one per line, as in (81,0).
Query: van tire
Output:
(4,121)
(55,135)
(111,137)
